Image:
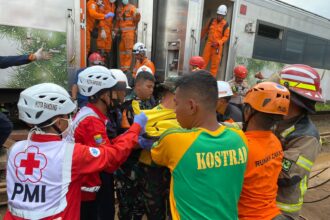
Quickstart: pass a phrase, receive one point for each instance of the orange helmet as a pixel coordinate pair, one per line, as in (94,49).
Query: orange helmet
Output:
(240,71)
(96,59)
(303,80)
(197,61)
(269,97)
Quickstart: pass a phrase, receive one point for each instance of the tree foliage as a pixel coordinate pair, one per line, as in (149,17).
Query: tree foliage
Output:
(29,41)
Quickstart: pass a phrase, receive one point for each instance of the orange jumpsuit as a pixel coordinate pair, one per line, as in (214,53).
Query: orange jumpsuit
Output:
(217,34)
(127,20)
(92,15)
(106,44)
(258,196)
(145,62)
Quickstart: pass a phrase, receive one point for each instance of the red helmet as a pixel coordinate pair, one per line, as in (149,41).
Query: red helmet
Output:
(240,71)
(197,61)
(303,80)
(96,59)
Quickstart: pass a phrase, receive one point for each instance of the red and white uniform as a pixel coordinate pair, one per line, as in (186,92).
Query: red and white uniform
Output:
(90,129)
(44,175)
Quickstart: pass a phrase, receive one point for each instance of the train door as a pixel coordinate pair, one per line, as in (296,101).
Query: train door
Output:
(209,12)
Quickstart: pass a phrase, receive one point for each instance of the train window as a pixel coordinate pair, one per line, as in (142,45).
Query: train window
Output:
(294,48)
(314,51)
(327,57)
(268,42)
(269,31)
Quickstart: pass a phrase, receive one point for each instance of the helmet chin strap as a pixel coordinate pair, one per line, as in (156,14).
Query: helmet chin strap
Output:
(246,120)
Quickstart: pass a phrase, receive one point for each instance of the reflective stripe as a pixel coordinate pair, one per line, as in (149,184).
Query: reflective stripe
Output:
(128,19)
(300,70)
(298,85)
(125,52)
(304,163)
(124,67)
(288,131)
(295,207)
(127,28)
(90,189)
(289,207)
(297,78)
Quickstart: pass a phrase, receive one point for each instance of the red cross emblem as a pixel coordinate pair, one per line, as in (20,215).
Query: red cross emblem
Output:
(29,164)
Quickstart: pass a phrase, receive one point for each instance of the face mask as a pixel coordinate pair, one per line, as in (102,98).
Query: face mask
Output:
(67,134)
(125,2)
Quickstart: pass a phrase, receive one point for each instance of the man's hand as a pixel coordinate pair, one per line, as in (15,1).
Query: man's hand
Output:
(42,55)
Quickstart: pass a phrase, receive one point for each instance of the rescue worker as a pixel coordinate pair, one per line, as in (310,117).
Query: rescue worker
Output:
(264,105)
(299,136)
(140,50)
(207,160)
(227,112)
(79,99)
(217,34)
(45,172)
(93,20)
(104,40)
(239,85)
(9,61)
(196,63)
(89,127)
(118,98)
(130,197)
(154,181)
(127,19)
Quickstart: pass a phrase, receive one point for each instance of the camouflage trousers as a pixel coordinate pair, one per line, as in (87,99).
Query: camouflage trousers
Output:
(155,183)
(142,189)
(130,197)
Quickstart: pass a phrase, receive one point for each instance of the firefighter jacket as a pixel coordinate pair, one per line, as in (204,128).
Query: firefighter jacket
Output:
(301,144)
(44,174)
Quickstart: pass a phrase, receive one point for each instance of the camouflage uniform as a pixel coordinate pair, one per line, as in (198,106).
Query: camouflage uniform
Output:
(130,196)
(155,181)
(239,91)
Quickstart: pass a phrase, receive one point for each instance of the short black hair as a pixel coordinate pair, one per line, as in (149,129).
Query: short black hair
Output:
(227,98)
(143,76)
(200,85)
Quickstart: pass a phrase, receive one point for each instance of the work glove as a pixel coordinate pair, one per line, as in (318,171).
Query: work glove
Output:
(103,34)
(109,15)
(141,119)
(113,34)
(41,55)
(145,143)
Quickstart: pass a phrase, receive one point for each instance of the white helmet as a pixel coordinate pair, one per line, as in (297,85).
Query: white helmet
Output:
(95,78)
(139,48)
(224,89)
(144,68)
(42,102)
(120,76)
(222,10)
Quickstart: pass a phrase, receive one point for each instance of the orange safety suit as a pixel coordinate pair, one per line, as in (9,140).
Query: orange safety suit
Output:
(218,34)
(258,196)
(106,44)
(126,23)
(145,62)
(92,15)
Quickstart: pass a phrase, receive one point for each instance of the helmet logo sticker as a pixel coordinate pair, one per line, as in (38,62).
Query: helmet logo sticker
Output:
(45,105)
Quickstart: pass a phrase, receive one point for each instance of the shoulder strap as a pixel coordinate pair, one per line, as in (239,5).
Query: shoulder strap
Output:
(225,27)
